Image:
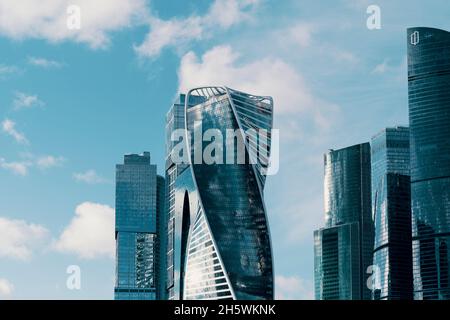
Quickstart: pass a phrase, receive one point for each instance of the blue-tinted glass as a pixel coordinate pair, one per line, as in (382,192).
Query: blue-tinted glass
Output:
(222,242)
(343,249)
(139,203)
(175,119)
(391,204)
(429,115)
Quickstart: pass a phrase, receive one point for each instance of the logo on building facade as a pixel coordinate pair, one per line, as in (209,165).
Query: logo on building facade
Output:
(415,38)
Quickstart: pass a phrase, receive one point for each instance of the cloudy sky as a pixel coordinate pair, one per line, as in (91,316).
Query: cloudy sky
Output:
(73,101)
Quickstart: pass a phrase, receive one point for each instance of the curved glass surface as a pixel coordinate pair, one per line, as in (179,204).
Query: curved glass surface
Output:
(347,239)
(229,252)
(174,121)
(429,114)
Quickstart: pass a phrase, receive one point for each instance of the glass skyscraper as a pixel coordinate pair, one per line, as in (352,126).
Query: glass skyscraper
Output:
(161,224)
(175,120)
(139,203)
(429,116)
(343,248)
(391,205)
(222,247)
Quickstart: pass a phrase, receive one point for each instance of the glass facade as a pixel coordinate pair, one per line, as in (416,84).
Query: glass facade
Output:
(222,242)
(429,115)
(202,277)
(391,205)
(175,119)
(138,205)
(161,220)
(343,248)
(337,262)
(390,154)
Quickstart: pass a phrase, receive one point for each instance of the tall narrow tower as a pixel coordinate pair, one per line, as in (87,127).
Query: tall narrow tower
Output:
(138,205)
(175,120)
(391,205)
(429,117)
(343,248)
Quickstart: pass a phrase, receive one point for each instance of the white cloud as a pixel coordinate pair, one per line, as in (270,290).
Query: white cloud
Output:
(6,70)
(177,33)
(227,13)
(304,121)
(44,63)
(300,34)
(389,68)
(267,76)
(6,288)
(18,238)
(90,177)
(90,234)
(381,68)
(29,161)
(173,32)
(9,127)
(26,101)
(47,19)
(305,40)
(343,56)
(293,288)
(46,162)
(17,167)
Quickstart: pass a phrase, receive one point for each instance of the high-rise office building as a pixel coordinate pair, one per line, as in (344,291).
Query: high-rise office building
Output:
(429,117)
(139,203)
(161,225)
(222,247)
(343,248)
(175,120)
(390,154)
(391,205)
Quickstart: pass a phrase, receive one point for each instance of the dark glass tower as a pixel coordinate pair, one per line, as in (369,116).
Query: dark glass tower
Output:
(139,195)
(222,245)
(175,120)
(343,248)
(161,224)
(429,116)
(391,204)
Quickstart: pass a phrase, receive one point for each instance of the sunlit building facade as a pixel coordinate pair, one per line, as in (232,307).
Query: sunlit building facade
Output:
(429,116)
(343,248)
(391,205)
(175,120)
(222,246)
(139,203)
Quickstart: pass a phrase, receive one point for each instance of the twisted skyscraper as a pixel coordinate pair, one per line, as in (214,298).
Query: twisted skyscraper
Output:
(222,247)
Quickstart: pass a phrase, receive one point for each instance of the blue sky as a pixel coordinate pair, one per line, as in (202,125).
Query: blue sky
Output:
(72,102)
